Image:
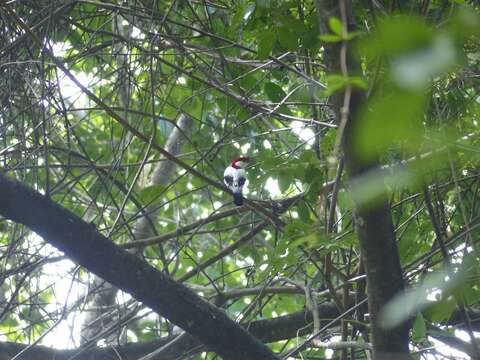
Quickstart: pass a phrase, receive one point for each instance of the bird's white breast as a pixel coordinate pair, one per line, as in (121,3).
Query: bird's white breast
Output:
(235,173)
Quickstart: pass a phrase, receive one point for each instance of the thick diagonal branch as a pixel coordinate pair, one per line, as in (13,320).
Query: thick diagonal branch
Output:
(85,245)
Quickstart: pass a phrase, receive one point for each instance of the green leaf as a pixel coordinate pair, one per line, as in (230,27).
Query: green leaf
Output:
(309,39)
(335,25)
(419,329)
(266,42)
(308,156)
(441,310)
(303,211)
(309,239)
(375,185)
(296,228)
(312,174)
(237,18)
(335,83)
(465,24)
(388,121)
(274,92)
(352,35)
(150,193)
(358,82)
(8,323)
(331,38)
(396,36)
(284,180)
(287,38)
(270,161)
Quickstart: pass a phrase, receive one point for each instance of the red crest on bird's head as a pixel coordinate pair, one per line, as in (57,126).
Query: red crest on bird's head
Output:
(240,159)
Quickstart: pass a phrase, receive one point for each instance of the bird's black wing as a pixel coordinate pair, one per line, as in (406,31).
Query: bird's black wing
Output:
(228,180)
(241,181)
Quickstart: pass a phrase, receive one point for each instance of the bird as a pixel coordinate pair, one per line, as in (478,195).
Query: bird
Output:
(234,178)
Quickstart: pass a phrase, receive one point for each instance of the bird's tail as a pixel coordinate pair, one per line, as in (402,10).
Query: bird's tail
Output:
(238,199)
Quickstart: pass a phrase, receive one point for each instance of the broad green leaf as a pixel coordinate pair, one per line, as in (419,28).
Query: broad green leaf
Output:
(465,24)
(369,188)
(335,25)
(270,161)
(237,18)
(335,83)
(266,42)
(312,174)
(274,92)
(303,212)
(440,311)
(308,156)
(352,35)
(419,329)
(309,40)
(287,38)
(296,228)
(358,82)
(297,170)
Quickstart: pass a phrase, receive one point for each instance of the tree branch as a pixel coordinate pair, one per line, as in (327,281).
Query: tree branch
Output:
(86,246)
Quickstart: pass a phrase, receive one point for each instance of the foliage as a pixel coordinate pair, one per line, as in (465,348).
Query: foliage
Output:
(250,75)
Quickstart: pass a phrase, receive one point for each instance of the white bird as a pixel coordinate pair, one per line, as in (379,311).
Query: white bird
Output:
(234,178)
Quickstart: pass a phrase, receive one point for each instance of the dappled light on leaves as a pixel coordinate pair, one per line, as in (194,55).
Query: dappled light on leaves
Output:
(117,120)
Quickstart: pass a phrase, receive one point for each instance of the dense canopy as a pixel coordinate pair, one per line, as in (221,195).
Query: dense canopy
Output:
(359,233)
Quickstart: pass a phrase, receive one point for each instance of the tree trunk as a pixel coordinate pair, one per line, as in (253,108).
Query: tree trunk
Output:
(373,222)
